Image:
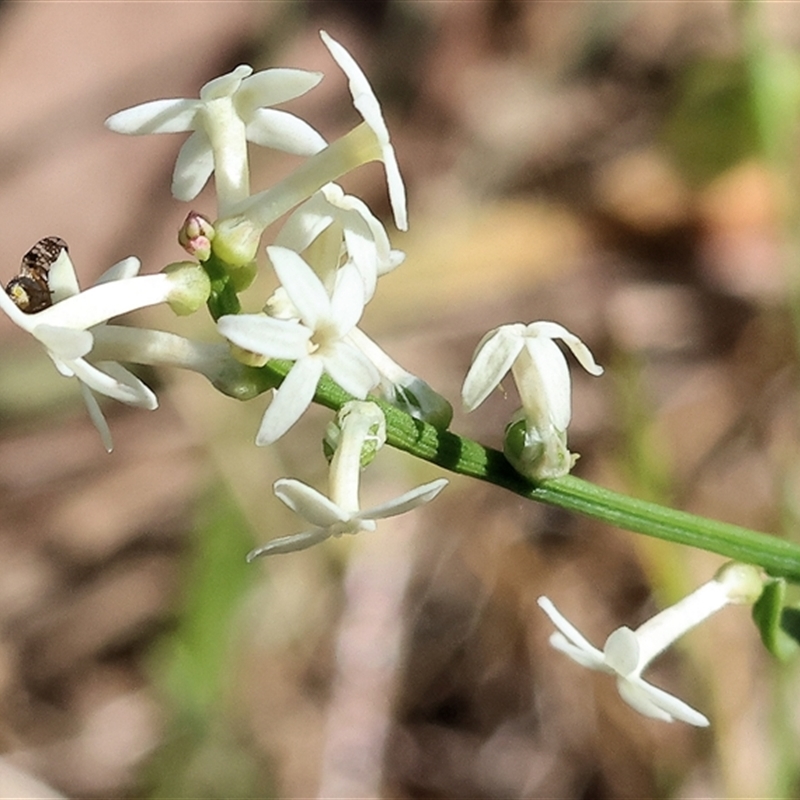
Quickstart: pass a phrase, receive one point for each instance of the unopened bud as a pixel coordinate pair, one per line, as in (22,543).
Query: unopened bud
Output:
(195,236)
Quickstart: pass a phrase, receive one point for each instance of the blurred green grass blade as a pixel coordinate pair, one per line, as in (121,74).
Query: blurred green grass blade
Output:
(197,656)
(712,125)
(206,753)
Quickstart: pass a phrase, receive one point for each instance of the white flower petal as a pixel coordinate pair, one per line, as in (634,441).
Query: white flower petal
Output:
(492,360)
(290,401)
(397,189)
(103,383)
(305,224)
(290,544)
(411,499)
(396,258)
(271,87)
(273,338)
(96,416)
(280,130)
(585,658)
(552,330)
(569,631)
(64,343)
(157,116)
(225,85)
(363,97)
(143,394)
(101,303)
(362,224)
(62,279)
(22,320)
(653,702)
(127,268)
(304,288)
(310,504)
(542,376)
(348,366)
(347,300)
(193,168)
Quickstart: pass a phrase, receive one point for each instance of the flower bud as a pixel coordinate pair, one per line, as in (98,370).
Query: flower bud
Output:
(195,236)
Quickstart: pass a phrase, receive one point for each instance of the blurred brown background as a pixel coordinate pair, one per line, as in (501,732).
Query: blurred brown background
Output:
(559,165)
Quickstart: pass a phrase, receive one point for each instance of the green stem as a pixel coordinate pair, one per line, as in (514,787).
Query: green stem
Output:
(464,456)
(223,298)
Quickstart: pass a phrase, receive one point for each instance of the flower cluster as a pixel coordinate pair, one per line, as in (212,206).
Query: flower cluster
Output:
(328,257)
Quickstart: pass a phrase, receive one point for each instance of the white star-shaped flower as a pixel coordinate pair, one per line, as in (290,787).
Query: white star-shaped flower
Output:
(541,374)
(65,328)
(361,432)
(232,110)
(626,653)
(329,519)
(316,341)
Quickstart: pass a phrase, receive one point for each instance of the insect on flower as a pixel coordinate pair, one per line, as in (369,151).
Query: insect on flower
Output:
(30,290)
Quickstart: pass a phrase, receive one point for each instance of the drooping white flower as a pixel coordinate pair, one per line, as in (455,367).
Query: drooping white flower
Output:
(362,425)
(354,234)
(541,374)
(239,230)
(65,328)
(626,653)
(316,341)
(232,110)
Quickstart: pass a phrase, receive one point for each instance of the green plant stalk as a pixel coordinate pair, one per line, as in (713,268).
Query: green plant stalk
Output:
(463,456)
(223,299)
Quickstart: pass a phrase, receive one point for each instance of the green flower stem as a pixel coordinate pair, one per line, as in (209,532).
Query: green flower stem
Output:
(223,298)
(458,454)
